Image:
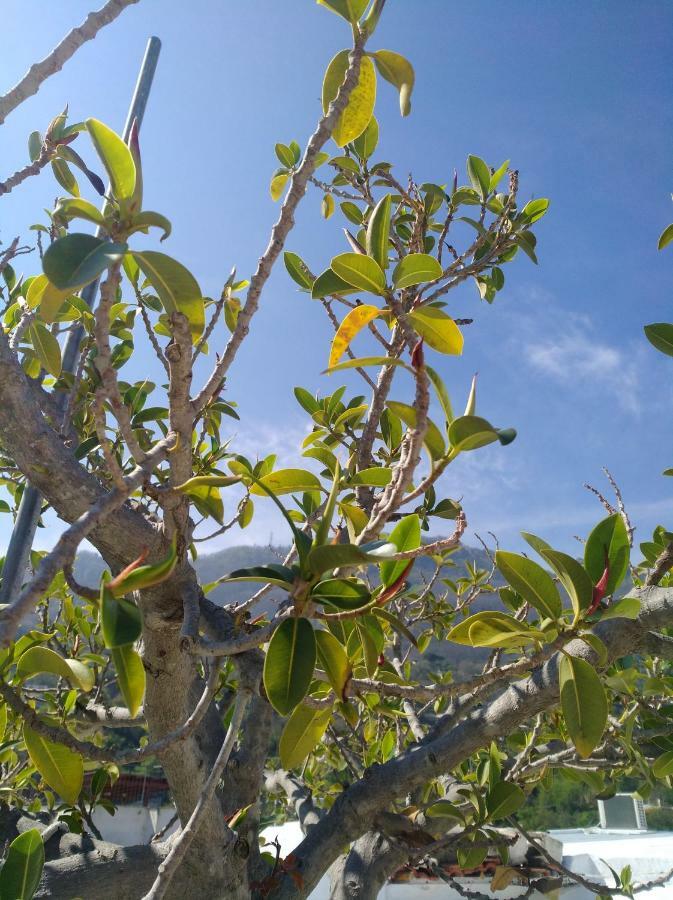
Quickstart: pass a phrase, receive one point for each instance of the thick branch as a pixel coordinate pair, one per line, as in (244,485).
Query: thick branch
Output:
(105,873)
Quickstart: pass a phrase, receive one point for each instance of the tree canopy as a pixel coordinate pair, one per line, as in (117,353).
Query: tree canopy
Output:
(310,693)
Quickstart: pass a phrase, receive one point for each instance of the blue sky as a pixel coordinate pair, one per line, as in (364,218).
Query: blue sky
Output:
(577,94)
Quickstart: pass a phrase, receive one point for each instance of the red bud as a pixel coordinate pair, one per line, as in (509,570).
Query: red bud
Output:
(417,356)
(599,590)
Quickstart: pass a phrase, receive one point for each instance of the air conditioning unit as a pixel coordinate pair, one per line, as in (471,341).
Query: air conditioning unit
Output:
(623,812)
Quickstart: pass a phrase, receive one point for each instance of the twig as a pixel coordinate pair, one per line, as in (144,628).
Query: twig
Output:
(39,72)
(46,155)
(663,565)
(283,226)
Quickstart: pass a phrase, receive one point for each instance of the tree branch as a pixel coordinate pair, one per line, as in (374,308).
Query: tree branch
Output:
(54,62)
(282,227)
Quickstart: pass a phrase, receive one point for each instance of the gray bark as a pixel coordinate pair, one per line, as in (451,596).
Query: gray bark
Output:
(362,872)
(107,872)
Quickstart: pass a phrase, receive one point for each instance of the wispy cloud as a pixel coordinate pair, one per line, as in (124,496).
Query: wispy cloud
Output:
(565,347)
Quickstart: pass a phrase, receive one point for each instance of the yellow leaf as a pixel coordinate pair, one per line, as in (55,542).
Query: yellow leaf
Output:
(358,112)
(503,877)
(354,322)
(277,186)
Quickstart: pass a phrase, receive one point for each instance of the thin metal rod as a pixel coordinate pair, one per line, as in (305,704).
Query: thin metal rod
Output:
(28,514)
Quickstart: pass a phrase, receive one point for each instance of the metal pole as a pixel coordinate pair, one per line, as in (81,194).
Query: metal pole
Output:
(28,515)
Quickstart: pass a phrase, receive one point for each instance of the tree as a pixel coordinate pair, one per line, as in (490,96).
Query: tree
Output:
(381,768)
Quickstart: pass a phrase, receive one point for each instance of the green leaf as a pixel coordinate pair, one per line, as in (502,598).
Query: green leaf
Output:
(378,232)
(492,628)
(289,664)
(370,651)
(323,528)
(444,809)
(438,330)
(399,72)
(360,107)
(207,500)
(608,539)
(442,393)
(662,766)
(584,704)
(175,285)
(279,575)
(116,157)
(35,142)
(534,210)
(353,322)
(148,219)
(377,476)
(130,676)
(666,237)
(330,283)
(76,208)
(121,619)
(359,271)
(75,260)
(343,593)
(298,270)
(396,624)
(416,268)
(537,543)
(433,440)
(288,481)
(302,733)
(350,10)
(470,433)
(333,556)
(366,144)
(22,869)
(141,577)
(352,212)
(660,335)
(333,660)
(572,576)
(46,346)
(67,154)
(285,155)
(479,175)
(626,608)
(406,535)
(504,799)
(64,176)
(531,581)
(497,175)
(277,185)
(41,659)
(364,361)
(60,767)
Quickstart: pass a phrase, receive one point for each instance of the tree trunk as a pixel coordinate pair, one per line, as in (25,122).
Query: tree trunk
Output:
(213,867)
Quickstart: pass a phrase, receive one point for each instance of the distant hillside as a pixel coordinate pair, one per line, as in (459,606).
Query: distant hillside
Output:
(211,566)
(464,661)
